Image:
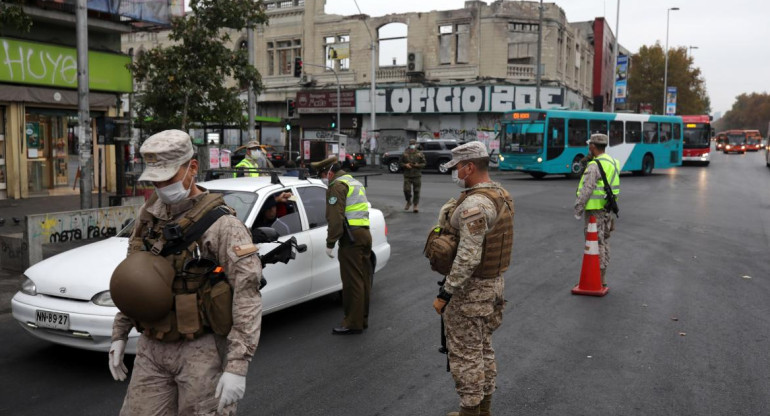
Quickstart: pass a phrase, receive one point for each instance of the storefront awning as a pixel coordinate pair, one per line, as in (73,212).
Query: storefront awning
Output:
(52,96)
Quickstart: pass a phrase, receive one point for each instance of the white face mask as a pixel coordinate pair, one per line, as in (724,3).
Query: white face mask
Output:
(411,146)
(176,192)
(459,182)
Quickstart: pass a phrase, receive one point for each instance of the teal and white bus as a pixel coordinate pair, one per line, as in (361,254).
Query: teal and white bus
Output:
(544,142)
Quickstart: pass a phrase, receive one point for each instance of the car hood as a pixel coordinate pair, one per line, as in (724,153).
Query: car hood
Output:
(79,273)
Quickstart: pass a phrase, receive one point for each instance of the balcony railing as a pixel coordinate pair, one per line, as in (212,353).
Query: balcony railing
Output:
(521,71)
(392,73)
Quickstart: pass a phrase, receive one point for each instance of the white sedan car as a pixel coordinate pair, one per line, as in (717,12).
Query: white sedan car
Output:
(66,300)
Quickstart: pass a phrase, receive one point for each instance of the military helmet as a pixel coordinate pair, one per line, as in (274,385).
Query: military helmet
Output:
(141,286)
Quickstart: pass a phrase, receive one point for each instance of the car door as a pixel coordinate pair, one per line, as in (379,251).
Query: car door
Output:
(286,283)
(431,151)
(326,271)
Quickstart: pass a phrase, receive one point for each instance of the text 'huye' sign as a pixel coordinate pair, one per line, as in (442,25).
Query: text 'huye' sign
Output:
(469,99)
(23,62)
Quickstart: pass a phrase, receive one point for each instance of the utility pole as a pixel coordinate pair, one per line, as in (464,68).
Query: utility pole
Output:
(538,74)
(84,117)
(665,69)
(252,100)
(615,59)
(373,81)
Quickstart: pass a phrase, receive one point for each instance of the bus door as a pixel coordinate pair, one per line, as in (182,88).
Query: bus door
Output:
(670,133)
(555,138)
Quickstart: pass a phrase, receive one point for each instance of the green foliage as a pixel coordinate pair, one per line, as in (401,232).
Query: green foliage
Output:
(645,80)
(12,15)
(749,112)
(188,81)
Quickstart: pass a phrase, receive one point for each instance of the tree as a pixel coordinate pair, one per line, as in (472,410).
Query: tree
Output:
(13,16)
(198,78)
(749,112)
(645,80)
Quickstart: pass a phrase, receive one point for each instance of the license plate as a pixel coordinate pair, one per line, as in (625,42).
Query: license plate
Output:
(54,320)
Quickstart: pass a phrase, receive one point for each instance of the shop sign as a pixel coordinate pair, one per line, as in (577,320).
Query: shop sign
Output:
(309,102)
(47,65)
(469,99)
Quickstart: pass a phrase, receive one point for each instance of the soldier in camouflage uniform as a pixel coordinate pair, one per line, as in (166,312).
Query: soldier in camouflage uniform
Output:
(471,299)
(591,196)
(412,161)
(204,375)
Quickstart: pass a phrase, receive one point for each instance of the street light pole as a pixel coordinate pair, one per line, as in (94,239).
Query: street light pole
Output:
(373,80)
(339,122)
(665,69)
(689,49)
(615,59)
(538,74)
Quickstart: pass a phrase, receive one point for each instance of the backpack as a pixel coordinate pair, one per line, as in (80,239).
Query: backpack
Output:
(441,249)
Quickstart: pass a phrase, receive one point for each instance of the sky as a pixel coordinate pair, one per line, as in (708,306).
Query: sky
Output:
(730,37)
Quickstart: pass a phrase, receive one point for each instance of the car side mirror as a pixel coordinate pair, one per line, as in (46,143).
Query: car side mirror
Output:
(264,235)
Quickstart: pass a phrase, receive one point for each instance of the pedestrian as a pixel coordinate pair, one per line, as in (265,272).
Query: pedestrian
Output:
(412,161)
(255,159)
(591,195)
(347,215)
(183,236)
(471,297)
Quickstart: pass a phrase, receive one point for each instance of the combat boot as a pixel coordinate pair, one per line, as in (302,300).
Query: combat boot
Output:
(485,407)
(416,209)
(603,281)
(407,206)
(466,411)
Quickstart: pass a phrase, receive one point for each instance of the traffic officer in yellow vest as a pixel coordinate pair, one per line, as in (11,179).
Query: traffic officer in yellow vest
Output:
(471,299)
(591,195)
(255,159)
(347,215)
(198,335)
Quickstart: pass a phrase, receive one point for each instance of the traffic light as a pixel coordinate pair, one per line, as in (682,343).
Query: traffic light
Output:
(333,123)
(290,107)
(288,126)
(297,67)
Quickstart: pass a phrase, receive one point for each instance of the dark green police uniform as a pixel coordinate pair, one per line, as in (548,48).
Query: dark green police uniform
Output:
(346,202)
(413,175)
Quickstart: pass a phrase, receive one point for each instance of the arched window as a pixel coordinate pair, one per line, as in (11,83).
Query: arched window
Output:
(392,44)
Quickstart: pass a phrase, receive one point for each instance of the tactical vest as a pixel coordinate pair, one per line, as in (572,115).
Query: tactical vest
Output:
(246,163)
(498,242)
(202,298)
(357,206)
(598,199)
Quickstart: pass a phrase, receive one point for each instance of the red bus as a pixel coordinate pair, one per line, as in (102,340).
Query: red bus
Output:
(697,136)
(753,140)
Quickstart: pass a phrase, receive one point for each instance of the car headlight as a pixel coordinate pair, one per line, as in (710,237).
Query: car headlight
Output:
(103,299)
(29,288)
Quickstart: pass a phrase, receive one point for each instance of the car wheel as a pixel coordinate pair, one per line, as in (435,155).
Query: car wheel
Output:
(393,166)
(576,169)
(441,167)
(648,163)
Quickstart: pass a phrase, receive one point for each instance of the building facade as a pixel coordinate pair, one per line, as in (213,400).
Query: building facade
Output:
(39,100)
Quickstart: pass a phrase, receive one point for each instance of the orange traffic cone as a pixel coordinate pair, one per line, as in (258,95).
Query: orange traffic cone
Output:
(590,275)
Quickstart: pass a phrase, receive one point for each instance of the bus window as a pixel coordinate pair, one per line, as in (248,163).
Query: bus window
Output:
(678,131)
(578,133)
(522,138)
(633,132)
(555,138)
(616,133)
(665,132)
(650,133)
(599,126)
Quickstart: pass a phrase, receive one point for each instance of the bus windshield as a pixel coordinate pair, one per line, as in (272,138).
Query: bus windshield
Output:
(522,138)
(736,138)
(696,137)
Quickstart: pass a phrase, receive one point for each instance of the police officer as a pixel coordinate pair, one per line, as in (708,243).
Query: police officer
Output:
(255,159)
(471,298)
(412,161)
(591,195)
(181,366)
(347,215)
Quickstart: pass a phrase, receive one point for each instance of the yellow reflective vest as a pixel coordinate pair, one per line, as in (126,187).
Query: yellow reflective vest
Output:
(612,171)
(357,206)
(246,163)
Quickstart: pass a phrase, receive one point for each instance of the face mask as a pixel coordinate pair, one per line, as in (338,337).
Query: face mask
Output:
(325,181)
(456,179)
(174,193)
(411,146)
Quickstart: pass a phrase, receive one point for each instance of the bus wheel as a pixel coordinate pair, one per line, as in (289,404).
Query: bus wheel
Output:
(576,168)
(537,175)
(648,163)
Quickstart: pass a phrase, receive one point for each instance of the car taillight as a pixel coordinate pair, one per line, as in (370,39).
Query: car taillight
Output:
(386,230)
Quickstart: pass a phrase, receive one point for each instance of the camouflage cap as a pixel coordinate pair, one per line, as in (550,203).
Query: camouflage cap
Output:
(599,138)
(323,164)
(164,153)
(472,150)
(412,141)
(252,144)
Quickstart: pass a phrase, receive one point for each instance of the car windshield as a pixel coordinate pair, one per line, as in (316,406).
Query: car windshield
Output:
(240,201)
(522,138)
(736,139)
(696,137)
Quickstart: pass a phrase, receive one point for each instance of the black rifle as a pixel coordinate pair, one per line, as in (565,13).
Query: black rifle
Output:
(443,349)
(612,201)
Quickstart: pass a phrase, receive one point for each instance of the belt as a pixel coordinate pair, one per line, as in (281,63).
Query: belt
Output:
(355,227)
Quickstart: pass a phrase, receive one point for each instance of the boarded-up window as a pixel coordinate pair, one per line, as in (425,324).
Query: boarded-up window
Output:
(445,44)
(463,43)
(522,53)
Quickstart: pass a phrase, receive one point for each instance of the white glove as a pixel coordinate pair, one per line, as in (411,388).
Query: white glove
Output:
(230,389)
(329,252)
(577,217)
(117,367)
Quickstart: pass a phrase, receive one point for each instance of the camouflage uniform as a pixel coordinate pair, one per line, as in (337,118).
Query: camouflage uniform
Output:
(413,176)
(180,377)
(605,222)
(476,308)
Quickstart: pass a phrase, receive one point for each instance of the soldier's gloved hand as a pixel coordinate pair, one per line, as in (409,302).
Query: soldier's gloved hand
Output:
(446,210)
(230,389)
(117,367)
(439,305)
(330,252)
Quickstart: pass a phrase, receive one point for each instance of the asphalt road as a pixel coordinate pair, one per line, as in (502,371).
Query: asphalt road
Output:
(683,331)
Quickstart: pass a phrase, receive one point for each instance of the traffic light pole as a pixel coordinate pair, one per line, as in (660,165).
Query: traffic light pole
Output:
(339,121)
